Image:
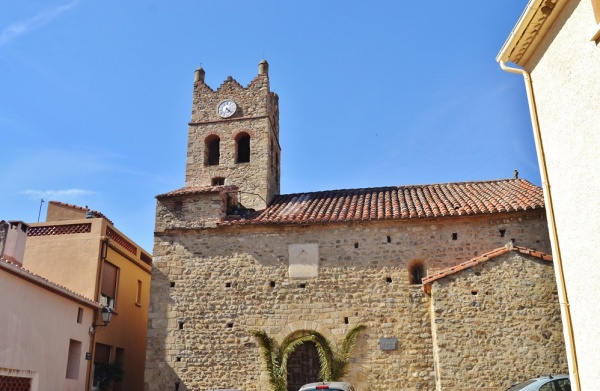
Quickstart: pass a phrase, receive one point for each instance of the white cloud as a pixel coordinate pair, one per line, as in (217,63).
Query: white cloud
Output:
(59,195)
(17,29)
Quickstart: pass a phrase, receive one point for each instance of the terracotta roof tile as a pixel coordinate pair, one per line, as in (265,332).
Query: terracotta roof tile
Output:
(393,203)
(427,281)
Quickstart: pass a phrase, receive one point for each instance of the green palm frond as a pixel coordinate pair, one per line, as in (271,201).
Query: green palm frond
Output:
(267,347)
(326,355)
(340,364)
(334,365)
(350,341)
(287,348)
(272,358)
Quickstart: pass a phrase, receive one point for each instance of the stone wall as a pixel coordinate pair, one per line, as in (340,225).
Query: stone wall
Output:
(257,115)
(173,212)
(497,323)
(210,287)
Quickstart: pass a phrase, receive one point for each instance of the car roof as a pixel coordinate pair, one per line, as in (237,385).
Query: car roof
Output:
(331,384)
(536,382)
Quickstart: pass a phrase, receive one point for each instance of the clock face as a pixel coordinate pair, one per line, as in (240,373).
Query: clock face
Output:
(227,108)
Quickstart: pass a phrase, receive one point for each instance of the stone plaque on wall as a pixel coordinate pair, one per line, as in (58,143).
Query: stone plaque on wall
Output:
(304,260)
(388,343)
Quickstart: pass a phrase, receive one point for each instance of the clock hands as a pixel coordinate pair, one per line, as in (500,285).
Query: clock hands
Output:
(227,108)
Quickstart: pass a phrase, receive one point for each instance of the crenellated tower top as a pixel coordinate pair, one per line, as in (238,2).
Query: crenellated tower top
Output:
(233,138)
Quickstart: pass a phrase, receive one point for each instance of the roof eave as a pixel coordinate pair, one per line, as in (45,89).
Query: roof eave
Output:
(192,190)
(532,26)
(429,280)
(48,285)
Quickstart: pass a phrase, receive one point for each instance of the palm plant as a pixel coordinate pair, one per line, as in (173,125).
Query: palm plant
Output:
(276,357)
(342,358)
(334,365)
(326,355)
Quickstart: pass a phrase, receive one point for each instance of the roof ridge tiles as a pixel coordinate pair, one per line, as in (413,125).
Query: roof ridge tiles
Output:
(370,189)
(397,202)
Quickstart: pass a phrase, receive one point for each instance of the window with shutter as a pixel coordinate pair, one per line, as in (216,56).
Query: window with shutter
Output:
(108,290)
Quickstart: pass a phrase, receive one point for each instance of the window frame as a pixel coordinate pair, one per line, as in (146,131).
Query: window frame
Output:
(138,295)
(105,298)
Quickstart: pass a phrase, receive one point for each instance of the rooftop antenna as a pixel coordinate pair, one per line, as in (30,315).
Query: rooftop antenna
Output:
(40,211)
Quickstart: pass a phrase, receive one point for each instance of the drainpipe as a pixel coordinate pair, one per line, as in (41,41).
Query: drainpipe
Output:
(556,256)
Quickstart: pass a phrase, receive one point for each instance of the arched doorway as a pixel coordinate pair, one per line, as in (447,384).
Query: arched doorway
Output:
(303,366)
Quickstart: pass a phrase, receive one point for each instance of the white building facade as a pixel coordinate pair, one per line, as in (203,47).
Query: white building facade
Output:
(555,46)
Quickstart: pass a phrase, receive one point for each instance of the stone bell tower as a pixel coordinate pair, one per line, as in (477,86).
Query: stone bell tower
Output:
(233,138)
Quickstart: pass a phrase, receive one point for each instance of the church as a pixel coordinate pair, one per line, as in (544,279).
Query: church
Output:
(441,286)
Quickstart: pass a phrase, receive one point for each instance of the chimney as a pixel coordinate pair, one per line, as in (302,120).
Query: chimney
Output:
(3,233)
(14,241)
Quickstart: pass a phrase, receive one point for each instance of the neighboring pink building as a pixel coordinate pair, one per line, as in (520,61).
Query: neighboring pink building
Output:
(13,235)
(44,332)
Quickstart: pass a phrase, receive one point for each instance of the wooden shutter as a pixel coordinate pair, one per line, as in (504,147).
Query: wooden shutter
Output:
(109,280)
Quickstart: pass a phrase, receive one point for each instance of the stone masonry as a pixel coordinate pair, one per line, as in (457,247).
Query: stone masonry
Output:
(221,271)
(493,317)
(258,116)
(220,283)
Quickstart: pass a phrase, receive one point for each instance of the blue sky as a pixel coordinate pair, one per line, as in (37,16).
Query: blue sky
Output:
(96,95)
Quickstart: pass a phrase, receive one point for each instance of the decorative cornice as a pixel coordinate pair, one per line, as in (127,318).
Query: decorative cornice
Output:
(227,120)
(534,23)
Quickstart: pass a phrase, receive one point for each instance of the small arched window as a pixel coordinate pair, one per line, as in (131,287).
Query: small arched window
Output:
(213,151)
(242,142)
(416,271)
